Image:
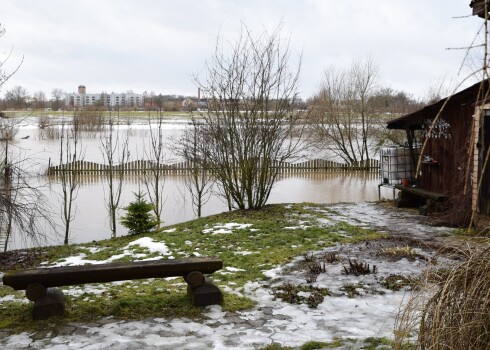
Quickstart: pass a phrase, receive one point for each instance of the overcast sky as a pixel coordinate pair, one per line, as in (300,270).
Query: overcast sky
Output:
(158,45)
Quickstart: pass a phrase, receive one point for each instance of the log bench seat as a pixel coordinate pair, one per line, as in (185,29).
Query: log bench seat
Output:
(40,284)
(418,197)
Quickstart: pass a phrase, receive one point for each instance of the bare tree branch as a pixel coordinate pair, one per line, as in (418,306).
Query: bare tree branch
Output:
(252,122)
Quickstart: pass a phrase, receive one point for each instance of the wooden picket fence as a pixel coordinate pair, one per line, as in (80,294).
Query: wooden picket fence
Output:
(144,166)
(3,238)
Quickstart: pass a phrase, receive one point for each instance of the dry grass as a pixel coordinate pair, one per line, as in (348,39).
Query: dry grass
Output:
(452,310)
(455,212)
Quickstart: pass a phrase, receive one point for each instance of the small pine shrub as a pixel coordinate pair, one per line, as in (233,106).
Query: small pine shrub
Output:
(139,217)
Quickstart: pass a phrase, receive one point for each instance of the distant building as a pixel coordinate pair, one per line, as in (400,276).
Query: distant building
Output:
(81,99)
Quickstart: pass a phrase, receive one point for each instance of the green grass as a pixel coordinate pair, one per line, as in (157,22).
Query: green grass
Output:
(312,345)
(370,343)
(268,240)
(289,294)
(351,289)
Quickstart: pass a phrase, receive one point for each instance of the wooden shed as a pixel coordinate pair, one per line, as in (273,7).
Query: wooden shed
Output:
(454,138)
(479,7)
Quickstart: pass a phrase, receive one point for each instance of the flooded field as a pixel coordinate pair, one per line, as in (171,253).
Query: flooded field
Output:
(91,216)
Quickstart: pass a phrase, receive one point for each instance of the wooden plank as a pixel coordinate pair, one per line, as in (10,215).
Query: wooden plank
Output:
(419,192)
(72,275)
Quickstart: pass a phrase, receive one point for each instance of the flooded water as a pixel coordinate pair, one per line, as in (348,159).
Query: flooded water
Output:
(91,219)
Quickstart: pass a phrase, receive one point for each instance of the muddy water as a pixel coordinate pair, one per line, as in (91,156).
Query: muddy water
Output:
(91,220)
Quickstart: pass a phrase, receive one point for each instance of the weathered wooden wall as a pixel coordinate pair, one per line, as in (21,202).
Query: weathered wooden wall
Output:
(447,175)
(484,198)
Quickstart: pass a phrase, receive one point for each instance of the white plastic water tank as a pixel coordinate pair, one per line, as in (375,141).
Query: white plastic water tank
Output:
(394,164)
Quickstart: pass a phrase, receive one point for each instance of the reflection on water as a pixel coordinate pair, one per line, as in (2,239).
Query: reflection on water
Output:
(91,221)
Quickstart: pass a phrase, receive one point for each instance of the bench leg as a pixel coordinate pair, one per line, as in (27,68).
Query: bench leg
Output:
(49,305)
(204,295)
(204,292)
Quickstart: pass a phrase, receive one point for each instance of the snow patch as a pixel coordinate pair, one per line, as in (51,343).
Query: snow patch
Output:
(144,242)
(244,252)
(225,228)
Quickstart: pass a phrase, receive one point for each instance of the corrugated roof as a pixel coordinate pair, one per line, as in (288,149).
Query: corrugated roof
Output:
(414,120)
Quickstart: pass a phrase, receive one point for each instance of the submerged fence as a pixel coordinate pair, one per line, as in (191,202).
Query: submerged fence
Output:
(3,239)
(144,166)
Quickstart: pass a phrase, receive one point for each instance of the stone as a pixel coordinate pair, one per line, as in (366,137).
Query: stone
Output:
(66,330)
(39,335)
(257,323)
(235,320)
(267,311)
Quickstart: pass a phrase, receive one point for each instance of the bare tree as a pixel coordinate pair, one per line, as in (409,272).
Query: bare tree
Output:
(364,74)
(343,118)
(39,99)
(16,97)
(70,153)
(23,207)
(57,99)
(438,89)
(251,119)
(154,178)
(115,150)
(199,182)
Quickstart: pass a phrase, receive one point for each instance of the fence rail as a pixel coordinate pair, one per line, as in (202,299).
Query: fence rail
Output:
(143,166)
(3,239)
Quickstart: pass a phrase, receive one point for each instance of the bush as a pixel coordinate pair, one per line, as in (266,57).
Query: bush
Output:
(458,315)
(139,217)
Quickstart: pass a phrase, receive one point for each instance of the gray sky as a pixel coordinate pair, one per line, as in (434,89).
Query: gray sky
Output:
(151,45)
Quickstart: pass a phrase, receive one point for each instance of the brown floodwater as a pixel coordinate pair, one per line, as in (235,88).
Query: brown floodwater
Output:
(91,219)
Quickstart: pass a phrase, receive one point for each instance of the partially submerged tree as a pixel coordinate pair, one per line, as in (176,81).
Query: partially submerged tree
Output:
(192,148)
(251,122)
(154,178)
(70,153)
(23,207)
(115,150)
(343,118)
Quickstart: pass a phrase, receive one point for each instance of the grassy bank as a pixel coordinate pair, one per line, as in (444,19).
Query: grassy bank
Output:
(248,242)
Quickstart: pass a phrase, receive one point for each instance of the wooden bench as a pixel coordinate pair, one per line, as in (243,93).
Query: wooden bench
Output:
(415,196)
(49,301)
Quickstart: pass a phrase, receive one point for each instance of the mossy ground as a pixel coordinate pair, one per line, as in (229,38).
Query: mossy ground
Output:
(268,242)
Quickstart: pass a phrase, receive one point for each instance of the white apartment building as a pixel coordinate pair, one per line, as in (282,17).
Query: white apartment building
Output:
(104,99)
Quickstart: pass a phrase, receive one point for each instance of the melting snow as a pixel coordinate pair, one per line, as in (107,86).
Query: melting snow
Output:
(244,252)
(233,269)
(225,228)
(170,230)
(272,320)
(144,242)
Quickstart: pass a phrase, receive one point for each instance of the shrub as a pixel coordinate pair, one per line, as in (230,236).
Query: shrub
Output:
(139,217)
(458,314)
(450,309)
